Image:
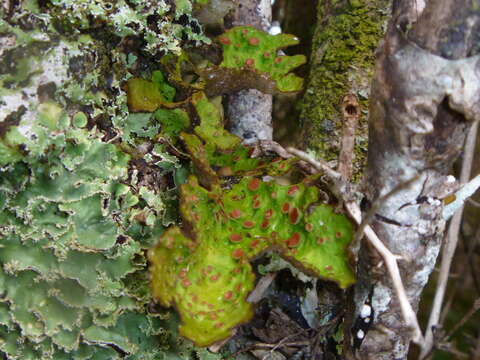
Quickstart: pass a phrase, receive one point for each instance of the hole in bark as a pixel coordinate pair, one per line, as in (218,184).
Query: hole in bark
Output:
(351,110)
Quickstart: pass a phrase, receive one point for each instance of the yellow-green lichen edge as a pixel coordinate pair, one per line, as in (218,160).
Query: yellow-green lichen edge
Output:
(245,47)
(204,268)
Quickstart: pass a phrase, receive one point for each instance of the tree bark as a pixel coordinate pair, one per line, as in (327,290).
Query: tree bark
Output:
(341,63)
(249,112)
(425,96)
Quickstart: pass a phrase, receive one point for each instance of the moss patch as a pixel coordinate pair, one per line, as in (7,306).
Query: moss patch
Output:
(342,62)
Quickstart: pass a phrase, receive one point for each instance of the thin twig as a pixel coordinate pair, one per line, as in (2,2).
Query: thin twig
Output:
(368,217)
(450,245)
(262,147)
(283,342)
(475,307)
(476,352)
(390,259)
(462,195)
(257,294)
(468,246)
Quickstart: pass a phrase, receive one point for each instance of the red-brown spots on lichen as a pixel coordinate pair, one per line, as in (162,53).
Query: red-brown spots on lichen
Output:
(249,62)
(294,216)
(186,283)
(254,243)
(224,40)
(253,41)
(329,267)
(194,298)
(219,325)
(237,45)
(238,288)
(235,213)
(278,60)
(237,254)
(228,295)
(169,242)
(265,223)
(215,277)
(321,240)
(292,190)
(273,195)
(235,238)
(308,227)
(268,213)
(189,304)
(236,197)
(256,204)
(338,234)
(282,165)
(266,54)
(248,224)
(294,240)
(209,269)
(245,31)
(196,217)
(237,270)
(254,184)
(180,259)
(183,272)
(191,198)
(285,208)
(213,316)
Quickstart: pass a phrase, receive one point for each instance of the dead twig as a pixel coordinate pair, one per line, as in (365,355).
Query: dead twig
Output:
(368,217)
(263,147)
(257,294)
(390,259)
(341,189)
(450,245)
(475,307)
(283,342)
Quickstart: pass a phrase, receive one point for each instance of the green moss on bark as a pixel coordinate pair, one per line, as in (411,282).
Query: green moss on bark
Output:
(342,62)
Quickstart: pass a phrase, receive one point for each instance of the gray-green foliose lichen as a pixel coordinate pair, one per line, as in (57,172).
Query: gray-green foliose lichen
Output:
(342,62)
(78,206)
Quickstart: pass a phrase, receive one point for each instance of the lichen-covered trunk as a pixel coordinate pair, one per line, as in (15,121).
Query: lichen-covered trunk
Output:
(342,61)
(425,96)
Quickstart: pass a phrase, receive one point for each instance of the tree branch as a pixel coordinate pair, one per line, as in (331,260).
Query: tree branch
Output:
(450,245)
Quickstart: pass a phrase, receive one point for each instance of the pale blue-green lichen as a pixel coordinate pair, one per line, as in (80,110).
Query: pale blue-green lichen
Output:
(69,235)
(154,21)
(76,210)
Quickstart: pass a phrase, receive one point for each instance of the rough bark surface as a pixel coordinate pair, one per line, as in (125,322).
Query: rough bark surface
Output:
(250,111)
(342,62)
(425,95)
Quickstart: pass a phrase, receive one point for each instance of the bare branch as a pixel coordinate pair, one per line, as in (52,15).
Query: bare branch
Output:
(461,196)
(390,259)
(451,244)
